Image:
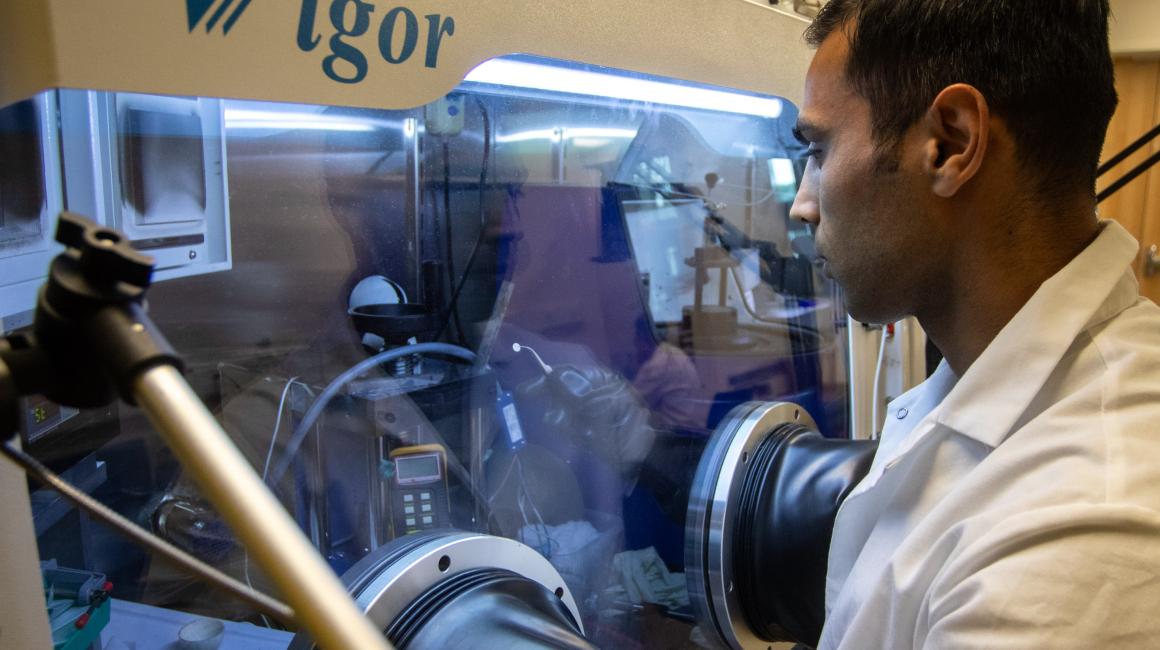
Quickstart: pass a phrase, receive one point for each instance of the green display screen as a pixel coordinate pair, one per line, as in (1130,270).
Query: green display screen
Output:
(412,468)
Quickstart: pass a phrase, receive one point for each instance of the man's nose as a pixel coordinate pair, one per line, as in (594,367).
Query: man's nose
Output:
(805,202)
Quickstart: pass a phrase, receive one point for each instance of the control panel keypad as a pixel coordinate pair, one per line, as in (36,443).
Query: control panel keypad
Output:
(420,510)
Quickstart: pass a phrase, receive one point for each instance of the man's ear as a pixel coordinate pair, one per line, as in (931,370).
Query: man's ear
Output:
(958,127)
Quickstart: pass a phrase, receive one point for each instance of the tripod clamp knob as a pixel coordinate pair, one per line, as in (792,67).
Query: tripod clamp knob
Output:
(104,256)
(90,322)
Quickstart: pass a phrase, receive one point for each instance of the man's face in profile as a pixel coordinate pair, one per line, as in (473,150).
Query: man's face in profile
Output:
(864,201)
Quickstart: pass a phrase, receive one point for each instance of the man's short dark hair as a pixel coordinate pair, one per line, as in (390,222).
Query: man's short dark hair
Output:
(1044,66)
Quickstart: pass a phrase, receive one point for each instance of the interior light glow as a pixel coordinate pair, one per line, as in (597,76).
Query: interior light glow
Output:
(583,132)
(782,172)
(523,74)
(783,178)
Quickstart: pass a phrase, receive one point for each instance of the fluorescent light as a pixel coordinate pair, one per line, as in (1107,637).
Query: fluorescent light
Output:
(524,136)
(523,74)
(293,125)
(243,118)
(565,134)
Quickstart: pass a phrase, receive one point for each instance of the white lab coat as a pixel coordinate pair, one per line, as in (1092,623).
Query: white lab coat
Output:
(1018,506)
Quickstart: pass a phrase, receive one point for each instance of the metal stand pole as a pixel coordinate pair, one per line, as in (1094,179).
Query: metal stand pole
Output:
(321,603)
(92,339)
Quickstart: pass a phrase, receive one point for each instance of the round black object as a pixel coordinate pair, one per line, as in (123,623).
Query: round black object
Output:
(396,323)
(793,485)
(486,608)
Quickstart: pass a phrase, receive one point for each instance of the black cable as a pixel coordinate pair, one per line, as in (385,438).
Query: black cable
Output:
(454,304)
(452,307)
(135,533)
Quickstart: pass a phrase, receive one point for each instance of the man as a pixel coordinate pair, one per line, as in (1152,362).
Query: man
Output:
(1013,501)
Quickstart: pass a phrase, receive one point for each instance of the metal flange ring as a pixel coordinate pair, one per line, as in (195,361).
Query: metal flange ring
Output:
(384,583)
(712,517)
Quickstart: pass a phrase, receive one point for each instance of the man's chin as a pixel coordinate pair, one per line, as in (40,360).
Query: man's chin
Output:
(871,312)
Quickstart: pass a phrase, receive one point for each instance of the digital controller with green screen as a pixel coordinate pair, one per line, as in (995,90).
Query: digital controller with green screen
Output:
(419,496)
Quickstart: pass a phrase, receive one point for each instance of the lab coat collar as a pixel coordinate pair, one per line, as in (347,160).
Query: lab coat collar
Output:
(997,389)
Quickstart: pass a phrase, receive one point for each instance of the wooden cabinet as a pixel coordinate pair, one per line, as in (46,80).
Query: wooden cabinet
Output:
(1136,205)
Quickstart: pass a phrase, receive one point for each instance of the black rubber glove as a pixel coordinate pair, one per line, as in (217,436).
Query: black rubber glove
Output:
(796,483)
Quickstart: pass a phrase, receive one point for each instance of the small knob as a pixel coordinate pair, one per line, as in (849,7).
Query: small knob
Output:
(105,255)
(70,229)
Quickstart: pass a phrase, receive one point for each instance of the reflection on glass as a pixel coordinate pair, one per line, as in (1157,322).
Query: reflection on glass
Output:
(21,173)
(610,270)
(29,198)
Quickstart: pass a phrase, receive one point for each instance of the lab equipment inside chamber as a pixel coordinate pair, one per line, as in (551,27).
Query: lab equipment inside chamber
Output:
(605,276)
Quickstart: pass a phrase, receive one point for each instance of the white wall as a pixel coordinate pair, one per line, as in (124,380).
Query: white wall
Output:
(1135,28)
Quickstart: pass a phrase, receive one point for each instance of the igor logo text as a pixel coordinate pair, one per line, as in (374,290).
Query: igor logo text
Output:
(399,36)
